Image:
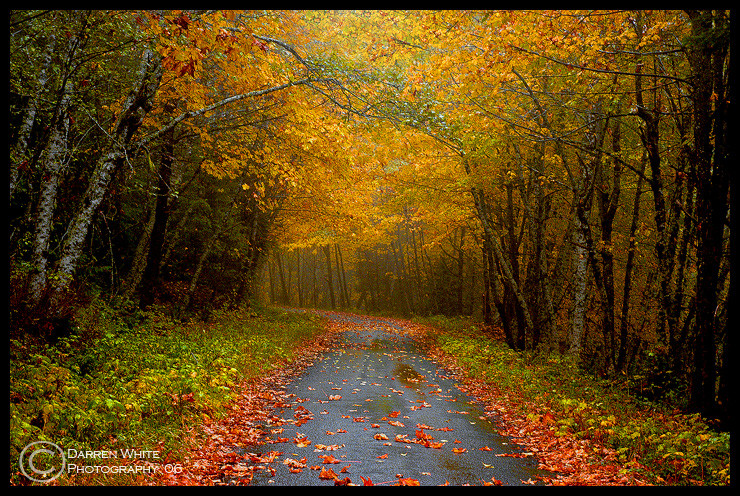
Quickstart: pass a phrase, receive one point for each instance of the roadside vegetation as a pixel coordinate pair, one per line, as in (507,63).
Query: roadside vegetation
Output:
(140,379)
(676,448)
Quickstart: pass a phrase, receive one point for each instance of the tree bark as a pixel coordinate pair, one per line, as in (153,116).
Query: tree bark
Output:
(136,106)
(52,166)
(150,277)
(485,219)
(627,287)
(707,57)
(19,152)
(330,278)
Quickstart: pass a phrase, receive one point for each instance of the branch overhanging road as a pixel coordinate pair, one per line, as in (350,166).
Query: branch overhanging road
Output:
(376,409)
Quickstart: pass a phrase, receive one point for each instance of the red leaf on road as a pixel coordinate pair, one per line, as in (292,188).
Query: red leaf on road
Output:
(328,459)
(327,474)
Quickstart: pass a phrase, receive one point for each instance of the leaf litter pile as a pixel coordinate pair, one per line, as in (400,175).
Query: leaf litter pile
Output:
(249,439)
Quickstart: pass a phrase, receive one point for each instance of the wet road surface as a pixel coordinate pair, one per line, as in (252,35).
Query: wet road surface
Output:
(378,410)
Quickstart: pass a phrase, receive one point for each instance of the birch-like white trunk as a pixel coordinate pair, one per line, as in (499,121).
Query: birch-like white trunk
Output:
(135,108)
(20,149)
(580,275)
(52,162)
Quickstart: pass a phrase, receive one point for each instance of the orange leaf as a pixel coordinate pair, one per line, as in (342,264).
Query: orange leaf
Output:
(327,474)
(459,450)
(495,482)
(401,438)
(420,434)
(342,482)
(301,442)
(382,457)
(366,481)
(407,482)
(328,459)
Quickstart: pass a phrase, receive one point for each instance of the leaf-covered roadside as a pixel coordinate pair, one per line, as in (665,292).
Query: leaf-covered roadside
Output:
(145,383)
(588,431)
(222,448)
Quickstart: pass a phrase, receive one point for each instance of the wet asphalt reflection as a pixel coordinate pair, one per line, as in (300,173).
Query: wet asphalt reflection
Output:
(367,406)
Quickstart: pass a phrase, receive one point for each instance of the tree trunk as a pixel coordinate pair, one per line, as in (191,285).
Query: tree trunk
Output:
(484,217)
(136,106)
(150,277)
(284,296)
(711,146)
(579,280)
(52,166)
(140,257)
(327,252)
(19,152)
(629,265)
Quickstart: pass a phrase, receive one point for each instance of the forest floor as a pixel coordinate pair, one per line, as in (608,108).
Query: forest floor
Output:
(275,397)
(257,442)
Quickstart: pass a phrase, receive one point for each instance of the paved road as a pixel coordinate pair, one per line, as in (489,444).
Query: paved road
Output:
(386,413)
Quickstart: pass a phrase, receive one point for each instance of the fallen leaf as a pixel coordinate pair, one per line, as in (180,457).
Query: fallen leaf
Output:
(327,474)
(328,459)
(494,482)
(343,482)
(294,463)
(407,482)
(301,442)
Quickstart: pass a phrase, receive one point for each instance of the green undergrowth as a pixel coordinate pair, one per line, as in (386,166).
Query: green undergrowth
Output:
(676,448)
(139,381)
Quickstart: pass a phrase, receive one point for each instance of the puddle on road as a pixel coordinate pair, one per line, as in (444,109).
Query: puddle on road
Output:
(376,375)
(406,374)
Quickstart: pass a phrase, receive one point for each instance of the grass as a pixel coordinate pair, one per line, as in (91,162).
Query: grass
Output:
(139,381)
(677,448)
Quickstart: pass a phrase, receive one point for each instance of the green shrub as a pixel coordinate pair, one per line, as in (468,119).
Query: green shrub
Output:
(677,448)
(137,381)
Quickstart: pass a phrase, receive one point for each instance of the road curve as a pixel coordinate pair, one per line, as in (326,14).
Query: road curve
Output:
(376,410)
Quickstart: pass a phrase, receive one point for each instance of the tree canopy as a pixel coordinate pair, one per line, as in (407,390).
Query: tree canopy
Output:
(561,175)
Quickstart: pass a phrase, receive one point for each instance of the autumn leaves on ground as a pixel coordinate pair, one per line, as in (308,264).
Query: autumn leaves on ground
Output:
(568,461)
(548,190)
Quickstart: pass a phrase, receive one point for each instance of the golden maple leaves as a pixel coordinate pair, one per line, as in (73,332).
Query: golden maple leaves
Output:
(451,76)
